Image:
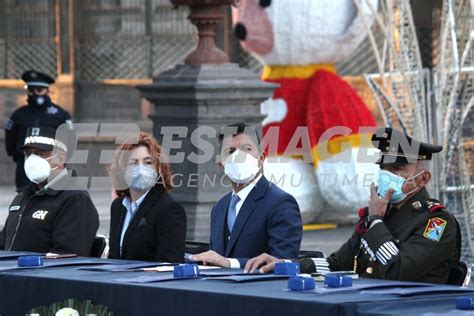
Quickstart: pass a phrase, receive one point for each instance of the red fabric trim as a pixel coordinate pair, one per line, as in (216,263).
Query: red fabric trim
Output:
(362,212)
(320,102)
(436,207)
(361,228)
(335,103)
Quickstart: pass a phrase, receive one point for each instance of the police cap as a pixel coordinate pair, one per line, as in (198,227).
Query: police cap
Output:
(397,148)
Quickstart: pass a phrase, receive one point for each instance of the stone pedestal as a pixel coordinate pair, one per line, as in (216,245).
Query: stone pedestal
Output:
(195,97)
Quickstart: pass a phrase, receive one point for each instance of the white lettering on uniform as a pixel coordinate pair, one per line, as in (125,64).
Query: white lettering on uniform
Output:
(40,214)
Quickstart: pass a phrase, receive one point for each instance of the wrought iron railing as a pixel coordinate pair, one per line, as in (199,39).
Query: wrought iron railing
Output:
(109,39)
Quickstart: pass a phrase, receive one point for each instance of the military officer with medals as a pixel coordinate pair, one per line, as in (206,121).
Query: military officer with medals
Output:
(402,234)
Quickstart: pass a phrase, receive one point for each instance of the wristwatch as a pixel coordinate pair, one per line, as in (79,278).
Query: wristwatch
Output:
(372,218)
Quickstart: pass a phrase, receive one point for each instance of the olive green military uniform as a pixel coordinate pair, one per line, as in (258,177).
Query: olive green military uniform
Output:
(417,242)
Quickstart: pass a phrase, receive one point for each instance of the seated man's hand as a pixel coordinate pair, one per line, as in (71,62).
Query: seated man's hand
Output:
(378,205)
(265,262)
(212,258)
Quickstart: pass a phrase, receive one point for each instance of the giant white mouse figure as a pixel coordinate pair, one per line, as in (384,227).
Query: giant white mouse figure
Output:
(313,123)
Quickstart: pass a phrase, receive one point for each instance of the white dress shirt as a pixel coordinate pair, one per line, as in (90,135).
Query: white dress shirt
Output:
(243,194)
(131,208)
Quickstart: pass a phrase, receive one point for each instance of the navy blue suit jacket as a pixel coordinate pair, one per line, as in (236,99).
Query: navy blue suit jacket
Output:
(268,221)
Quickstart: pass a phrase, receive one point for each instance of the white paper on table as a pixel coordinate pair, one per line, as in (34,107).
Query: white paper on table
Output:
(171,268)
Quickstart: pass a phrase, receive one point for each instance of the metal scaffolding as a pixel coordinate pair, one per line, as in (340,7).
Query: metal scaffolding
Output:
(432,105)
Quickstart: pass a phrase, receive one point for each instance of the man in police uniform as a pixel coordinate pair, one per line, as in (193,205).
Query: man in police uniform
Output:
(40,111)
(403,234)
(50,214)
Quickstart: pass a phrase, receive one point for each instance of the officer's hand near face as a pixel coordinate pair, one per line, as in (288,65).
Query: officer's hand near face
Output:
(378,205)
(265,262)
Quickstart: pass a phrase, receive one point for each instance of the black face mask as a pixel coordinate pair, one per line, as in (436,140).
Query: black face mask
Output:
(38,100)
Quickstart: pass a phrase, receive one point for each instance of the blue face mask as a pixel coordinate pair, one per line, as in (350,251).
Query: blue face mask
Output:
(387,180)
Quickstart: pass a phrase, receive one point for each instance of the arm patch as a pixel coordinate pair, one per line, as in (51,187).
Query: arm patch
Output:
(435,228)
(9,125)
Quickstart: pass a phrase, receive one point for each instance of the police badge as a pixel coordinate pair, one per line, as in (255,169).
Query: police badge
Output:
(52,110)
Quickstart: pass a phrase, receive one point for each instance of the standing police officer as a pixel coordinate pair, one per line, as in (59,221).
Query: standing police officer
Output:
(403,234)
(40,112)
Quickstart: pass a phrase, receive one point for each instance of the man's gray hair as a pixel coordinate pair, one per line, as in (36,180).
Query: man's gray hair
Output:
(423,165)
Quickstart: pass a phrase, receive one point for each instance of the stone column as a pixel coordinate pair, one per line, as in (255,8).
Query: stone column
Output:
(207,91)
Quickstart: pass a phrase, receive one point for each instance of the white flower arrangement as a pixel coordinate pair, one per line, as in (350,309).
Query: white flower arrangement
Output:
(67,311)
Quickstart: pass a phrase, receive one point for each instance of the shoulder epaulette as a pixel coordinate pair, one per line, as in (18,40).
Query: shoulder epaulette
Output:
(432,205)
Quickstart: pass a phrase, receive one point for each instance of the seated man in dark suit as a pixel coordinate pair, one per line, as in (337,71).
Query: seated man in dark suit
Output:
(256,216)
(403,234)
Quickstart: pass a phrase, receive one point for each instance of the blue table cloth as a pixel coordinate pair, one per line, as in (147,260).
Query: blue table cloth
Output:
(21,290)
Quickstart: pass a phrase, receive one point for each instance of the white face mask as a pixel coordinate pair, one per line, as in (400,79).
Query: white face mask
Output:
(37,168)
(140,177)
(241,167)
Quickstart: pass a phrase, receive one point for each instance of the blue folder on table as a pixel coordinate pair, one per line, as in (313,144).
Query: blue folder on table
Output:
(124,267)
(161,277)
(249,278)
(5,255)
(434,289)
(225,272)
(360,285)
(49,263)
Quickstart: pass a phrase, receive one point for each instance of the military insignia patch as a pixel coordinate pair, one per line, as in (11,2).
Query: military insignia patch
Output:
(416,205)
(435,228)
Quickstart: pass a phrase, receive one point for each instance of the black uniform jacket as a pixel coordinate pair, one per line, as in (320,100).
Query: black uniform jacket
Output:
(417,242)
(157,231)
(49,115)
(49,220)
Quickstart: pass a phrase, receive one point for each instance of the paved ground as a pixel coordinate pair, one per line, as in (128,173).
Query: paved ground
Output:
(324,240)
